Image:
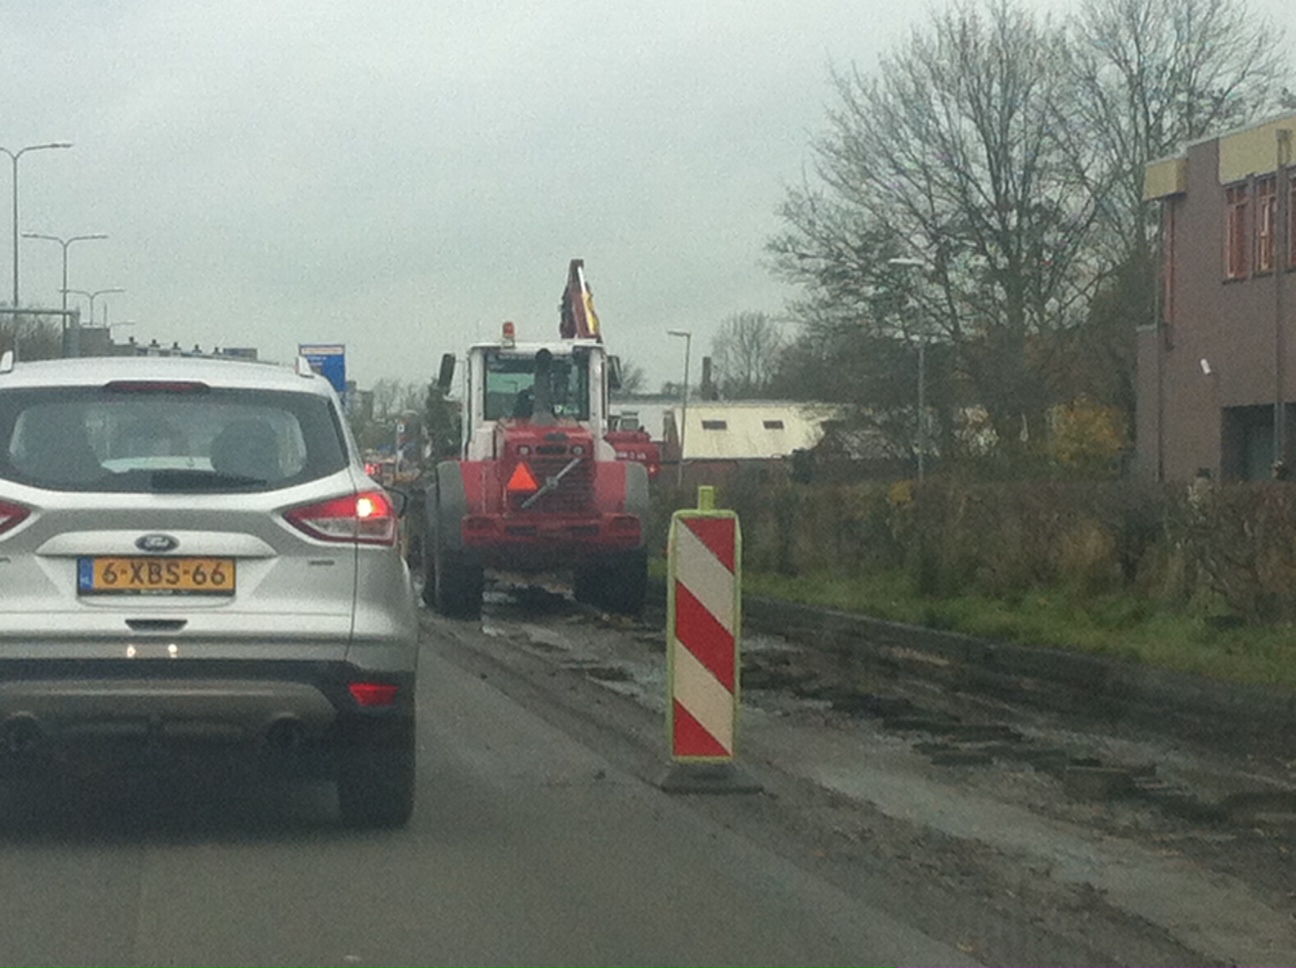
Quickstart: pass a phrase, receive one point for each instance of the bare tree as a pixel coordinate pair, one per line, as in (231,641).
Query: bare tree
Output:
(33,336)
(394,397)
(746,354)
(1000,157)
(390,401)
(384,395)
(948,159)
(633,379)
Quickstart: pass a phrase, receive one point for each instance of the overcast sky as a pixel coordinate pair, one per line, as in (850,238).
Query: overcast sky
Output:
(403,176)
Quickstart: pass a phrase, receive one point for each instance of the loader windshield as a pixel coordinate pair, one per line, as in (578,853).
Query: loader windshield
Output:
(511,390)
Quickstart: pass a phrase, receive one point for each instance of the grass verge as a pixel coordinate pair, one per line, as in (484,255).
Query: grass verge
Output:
(1123,626)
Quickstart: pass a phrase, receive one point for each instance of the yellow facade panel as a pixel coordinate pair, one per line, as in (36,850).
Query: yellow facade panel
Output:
(1256,151)
(1169,176)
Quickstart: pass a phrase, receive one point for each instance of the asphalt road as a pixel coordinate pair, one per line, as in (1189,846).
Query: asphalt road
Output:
(528,846)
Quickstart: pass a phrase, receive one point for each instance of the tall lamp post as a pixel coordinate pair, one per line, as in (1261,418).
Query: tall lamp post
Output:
(688,352)
(13,157)
(92,296)
(65,243)
(922,372)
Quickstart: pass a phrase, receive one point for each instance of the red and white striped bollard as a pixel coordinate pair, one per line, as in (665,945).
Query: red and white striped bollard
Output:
(704,619)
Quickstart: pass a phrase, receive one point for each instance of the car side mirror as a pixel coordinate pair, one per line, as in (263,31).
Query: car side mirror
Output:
(614,372)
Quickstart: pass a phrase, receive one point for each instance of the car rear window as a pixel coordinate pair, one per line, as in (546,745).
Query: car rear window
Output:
(134,438)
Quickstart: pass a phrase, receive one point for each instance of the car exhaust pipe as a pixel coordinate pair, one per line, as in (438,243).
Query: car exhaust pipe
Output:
(285,734)
(20,735)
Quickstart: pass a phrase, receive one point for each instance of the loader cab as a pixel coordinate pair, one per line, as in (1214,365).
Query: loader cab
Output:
(515,384)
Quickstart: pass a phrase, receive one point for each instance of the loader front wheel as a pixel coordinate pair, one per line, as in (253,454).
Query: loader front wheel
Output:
(457,583)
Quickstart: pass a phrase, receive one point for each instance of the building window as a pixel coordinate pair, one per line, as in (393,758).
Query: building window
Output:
(1235,236)
(714,425)
(1266,222)
(773,424)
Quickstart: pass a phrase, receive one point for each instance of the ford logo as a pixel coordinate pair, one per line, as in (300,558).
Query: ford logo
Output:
(156,543)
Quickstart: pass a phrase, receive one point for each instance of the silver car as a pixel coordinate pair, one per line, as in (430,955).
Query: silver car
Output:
(192,554)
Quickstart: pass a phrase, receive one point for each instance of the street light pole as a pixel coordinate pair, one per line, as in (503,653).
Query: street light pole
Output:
(922,402)
(65,243)
(688,352)
(13,157)
(92,296)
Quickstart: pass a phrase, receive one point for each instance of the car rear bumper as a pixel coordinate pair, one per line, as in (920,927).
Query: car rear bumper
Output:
(282,705)
(238,707)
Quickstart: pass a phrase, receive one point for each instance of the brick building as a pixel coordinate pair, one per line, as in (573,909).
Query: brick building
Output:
(1213,371)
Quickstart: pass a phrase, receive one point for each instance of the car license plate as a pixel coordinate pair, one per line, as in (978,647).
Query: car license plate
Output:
(188,576)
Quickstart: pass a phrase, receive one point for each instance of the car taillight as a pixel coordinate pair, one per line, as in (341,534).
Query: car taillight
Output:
(374,693)
(11,515)
(364,518)
(156,386)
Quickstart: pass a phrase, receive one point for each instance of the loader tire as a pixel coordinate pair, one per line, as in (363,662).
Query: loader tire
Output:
(457,583)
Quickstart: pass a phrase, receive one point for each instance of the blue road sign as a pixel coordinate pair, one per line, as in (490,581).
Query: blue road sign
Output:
(328,360)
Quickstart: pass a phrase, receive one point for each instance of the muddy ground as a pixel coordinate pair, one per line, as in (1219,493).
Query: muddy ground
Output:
(1021,833)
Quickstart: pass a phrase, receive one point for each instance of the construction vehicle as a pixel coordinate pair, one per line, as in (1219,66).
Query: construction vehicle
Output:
(632,442)
(537,487)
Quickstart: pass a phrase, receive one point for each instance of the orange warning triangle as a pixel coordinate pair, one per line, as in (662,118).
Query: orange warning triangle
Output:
(522,481)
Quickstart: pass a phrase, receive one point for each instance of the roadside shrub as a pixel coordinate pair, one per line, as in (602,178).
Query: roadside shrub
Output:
(1087,438)
(1208,549)
(1239,547)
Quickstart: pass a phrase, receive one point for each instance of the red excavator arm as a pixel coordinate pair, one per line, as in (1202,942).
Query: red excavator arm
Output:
(578,319)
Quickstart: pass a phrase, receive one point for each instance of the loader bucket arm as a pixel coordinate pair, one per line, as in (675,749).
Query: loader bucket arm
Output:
(577,317)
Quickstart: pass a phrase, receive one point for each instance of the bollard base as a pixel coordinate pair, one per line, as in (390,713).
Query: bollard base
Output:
(708,778)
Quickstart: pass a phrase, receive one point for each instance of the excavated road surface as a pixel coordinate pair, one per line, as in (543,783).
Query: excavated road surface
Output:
(1013,834)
